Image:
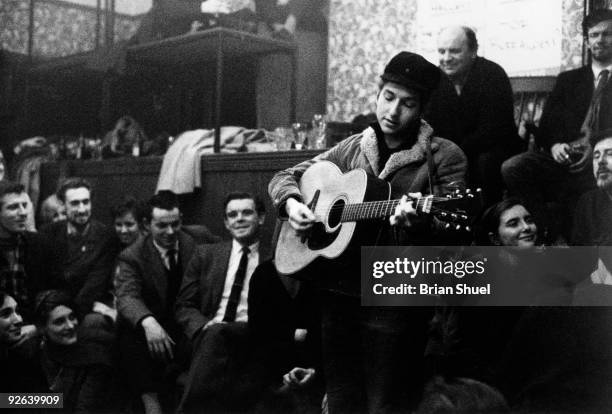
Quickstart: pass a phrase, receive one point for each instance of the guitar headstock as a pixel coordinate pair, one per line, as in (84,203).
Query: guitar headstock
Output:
(458,210)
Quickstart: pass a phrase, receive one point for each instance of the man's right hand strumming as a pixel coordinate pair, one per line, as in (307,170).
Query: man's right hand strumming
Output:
(300,216)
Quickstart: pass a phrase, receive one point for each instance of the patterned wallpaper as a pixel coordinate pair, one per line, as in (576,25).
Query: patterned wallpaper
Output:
(571,54)
(14,16)
(59,29)
(365,34)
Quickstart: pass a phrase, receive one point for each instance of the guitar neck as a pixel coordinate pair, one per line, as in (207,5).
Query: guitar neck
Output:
(371,210)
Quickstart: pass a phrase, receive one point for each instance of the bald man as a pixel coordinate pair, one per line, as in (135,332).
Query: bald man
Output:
(473,107)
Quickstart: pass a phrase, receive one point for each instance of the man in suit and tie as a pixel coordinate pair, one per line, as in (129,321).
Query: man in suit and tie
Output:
(150,272)
(581,102)
(212,308)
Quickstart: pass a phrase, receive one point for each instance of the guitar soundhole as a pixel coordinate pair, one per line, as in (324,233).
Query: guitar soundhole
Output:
(320,238)
(335,213)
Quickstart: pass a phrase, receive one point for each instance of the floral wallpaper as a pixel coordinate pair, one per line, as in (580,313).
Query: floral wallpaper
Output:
(365,34)
(14,16)
(571,53)
(59,29)
(125,27)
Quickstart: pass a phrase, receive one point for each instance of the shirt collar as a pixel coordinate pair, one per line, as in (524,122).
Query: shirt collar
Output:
(238,247)
(597,70)
(163,252)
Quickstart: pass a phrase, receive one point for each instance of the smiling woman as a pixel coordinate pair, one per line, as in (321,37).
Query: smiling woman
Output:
(70,359)
(507,223)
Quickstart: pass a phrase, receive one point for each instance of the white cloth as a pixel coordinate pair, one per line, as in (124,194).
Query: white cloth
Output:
(181,172)
(234,261)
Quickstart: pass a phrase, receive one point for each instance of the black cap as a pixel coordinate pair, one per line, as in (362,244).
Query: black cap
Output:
(412,71)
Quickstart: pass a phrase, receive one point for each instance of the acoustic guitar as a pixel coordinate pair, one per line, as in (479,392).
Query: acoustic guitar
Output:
(341,201)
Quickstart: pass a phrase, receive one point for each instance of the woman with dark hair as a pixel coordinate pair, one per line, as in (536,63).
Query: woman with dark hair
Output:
(18,352)
(471,337)
(128,219)
(75,363)
(506,223)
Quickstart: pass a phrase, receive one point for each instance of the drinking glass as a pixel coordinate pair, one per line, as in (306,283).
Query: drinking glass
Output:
(300,132)
(283,137)
(319,126)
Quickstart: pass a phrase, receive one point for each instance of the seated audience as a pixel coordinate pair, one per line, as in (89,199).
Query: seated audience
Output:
(285,325)
(128,221)
(77,364)
(21,371)
(474,108)
(579,105)
(212,310)
(153,347)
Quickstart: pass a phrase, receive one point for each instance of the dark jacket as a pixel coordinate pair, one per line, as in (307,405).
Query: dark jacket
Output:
(41,269)
(87,275)
(482,117)
(141,284)
(202,287)
(567,107)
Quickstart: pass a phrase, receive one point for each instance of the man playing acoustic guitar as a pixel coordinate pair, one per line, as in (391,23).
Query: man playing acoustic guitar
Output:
(373,357)
(580,104)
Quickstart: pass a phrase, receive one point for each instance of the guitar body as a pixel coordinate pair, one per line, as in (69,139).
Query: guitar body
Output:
(326,190)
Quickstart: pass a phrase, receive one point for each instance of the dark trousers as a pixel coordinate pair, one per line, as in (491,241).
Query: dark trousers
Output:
(485,173)
(143,373)
(373,357)
(219,379)
(537,178)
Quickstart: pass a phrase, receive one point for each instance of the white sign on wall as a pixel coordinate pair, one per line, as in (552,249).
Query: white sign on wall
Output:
(523,36)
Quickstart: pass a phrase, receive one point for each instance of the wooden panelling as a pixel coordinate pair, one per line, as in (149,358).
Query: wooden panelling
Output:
(221,174)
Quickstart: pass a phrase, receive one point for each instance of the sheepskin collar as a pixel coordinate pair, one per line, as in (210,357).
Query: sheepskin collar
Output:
(415,154)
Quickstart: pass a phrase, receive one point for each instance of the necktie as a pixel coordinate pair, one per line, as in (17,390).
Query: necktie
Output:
(171,255)
(594,110)
(174,278)
(234,298)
